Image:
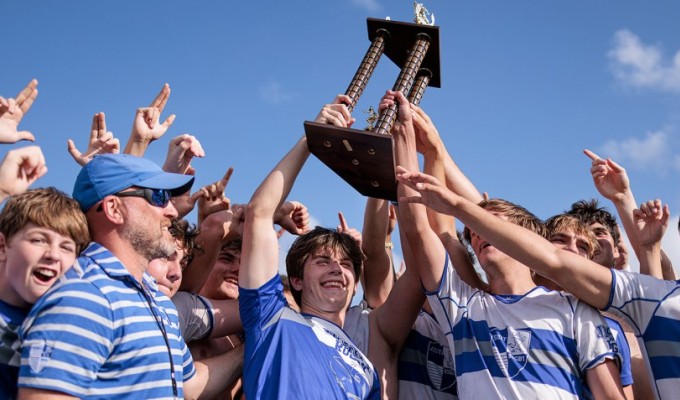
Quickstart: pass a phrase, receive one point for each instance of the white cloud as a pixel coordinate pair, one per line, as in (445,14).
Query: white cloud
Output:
(274,93)
(645,66)
(369,5)
(652,151)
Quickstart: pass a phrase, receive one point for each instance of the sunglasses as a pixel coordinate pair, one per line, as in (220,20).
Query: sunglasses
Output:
(155,197)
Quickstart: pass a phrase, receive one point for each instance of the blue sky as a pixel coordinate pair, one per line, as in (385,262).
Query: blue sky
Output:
(526,85)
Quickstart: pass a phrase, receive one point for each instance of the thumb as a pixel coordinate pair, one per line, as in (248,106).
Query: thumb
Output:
(26,135)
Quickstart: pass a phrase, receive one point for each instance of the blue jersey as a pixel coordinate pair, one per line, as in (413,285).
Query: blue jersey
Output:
(652,308)
(294,356)
(533,346)
(11,318)
(99,333)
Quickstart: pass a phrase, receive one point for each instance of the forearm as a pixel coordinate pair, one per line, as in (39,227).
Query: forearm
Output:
(667,267)
(277,185)
(136,147)
(571,271)
(650,260)
(378,277)
(214,375)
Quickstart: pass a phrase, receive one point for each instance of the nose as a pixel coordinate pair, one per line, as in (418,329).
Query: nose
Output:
(571,246)
(52,252)
(174,270)
(170,211)
(335,267)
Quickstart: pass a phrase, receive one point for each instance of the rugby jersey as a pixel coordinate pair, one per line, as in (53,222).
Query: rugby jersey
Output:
(533,346)
(425,366)
(294,356)
(99,333)
(652,308)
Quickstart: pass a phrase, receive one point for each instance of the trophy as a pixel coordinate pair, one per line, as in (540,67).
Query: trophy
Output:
(365,158)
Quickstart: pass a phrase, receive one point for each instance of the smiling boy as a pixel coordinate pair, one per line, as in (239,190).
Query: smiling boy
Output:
(41,233)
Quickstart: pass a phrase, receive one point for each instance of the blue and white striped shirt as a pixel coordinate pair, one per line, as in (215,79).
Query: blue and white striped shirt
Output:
(535,346)
(99,333)
(652,308)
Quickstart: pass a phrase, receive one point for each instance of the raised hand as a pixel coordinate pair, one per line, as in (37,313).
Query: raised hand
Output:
(431,192)
(181,151)
(610,178)
(293,217)
(352,232)
(13,110)
(101,142)
(336,113)
(146,126)
(652,220)
(211,198)
(427,136)
(19,169)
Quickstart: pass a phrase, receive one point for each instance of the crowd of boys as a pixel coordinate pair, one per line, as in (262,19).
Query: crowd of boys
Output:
(111,293)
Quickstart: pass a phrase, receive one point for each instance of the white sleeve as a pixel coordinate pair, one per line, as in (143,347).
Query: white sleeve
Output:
(594,340)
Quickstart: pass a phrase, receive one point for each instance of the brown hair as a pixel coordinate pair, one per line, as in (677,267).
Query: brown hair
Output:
(48,208)
(320,238)
(186,234)
(516,214)
(590,212)
(568,222)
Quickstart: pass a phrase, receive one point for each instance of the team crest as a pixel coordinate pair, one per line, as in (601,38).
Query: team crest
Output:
(511,349)
(440,366)
(39,355)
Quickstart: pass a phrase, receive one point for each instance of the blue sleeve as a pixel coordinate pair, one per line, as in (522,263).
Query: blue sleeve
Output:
(258,306)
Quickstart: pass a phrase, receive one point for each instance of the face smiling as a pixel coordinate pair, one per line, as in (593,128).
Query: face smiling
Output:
(31,262)
(607,253)
(328,284)
(222,283)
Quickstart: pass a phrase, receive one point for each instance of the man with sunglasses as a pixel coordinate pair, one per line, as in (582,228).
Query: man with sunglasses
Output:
(105,330)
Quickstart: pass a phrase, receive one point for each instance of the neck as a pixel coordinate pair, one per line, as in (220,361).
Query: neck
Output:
(134,262)
(337,318)
(511,278)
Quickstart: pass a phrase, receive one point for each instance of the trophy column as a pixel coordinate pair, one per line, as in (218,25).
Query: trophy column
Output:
(365,159)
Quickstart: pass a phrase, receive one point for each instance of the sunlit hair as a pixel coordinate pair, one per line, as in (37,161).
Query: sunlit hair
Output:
(47,208)
(317,239)
(570,223)
(516,214)
(186,233)
(590,212)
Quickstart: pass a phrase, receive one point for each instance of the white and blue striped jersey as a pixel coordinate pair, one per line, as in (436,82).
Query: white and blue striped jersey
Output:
(298,356)
(652,308)
(425,366)
(533,346)
(98,334)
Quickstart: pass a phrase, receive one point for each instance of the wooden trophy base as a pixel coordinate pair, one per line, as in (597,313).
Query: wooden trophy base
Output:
(363,159)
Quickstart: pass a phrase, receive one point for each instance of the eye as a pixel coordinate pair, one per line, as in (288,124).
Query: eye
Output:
(558,240)
(38,240)
(69,248)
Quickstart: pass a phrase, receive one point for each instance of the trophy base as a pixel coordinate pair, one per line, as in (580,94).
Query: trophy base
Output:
(363,159)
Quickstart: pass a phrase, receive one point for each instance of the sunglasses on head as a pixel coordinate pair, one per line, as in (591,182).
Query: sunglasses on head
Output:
(155,197)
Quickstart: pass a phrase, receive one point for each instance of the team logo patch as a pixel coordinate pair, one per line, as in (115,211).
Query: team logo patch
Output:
(39,355)
(440,366)
(511,349)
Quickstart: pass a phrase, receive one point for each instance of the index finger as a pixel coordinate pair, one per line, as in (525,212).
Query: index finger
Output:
(591,155)
(343,223)
(26,92)
(226,177)
(102,123)
(162,98)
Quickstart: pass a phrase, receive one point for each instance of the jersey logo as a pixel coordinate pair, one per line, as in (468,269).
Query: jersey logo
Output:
(511,349)
(440,366)
(39,355)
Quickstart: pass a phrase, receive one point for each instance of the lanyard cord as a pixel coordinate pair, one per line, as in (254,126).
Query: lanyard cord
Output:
(159,322)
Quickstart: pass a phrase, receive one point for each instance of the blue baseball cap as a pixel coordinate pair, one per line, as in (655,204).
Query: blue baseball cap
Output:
(108,174)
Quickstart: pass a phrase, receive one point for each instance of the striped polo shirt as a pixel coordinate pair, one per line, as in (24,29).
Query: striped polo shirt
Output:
(99,333)
(533,346)
(652,308)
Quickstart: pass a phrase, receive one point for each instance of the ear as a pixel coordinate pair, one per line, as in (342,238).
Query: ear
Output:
(3,248)
(113,209)
(296,283)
